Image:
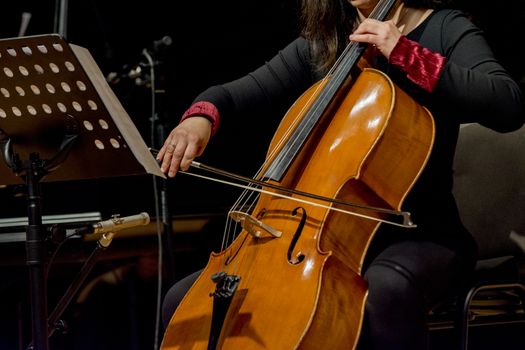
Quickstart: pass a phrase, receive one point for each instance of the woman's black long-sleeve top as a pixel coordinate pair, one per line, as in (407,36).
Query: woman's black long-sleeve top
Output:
(473,87)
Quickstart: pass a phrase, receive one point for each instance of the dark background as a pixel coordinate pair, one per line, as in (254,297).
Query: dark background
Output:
(213,42)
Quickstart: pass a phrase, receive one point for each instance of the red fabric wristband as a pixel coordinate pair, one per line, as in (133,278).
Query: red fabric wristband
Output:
(421,65)
(206,110)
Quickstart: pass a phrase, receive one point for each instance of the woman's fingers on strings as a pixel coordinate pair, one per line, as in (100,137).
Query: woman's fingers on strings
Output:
(368,26)
(365,33)
(371,29)
(383,36)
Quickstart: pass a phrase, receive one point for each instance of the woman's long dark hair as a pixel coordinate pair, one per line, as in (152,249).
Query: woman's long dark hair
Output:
(328,23)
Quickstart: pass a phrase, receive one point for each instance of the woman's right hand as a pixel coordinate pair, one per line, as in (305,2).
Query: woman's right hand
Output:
(185,142)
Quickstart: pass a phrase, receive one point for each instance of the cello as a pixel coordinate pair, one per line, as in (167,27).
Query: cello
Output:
(291,278)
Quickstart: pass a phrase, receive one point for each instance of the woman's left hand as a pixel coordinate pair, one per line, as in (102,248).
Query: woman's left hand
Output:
(382,35)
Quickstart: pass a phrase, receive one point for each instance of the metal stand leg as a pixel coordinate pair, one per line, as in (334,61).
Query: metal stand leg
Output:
(35,255)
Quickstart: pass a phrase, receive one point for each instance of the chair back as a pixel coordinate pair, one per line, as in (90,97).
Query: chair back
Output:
(489,186)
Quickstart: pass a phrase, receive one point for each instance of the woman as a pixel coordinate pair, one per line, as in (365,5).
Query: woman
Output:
(439,58)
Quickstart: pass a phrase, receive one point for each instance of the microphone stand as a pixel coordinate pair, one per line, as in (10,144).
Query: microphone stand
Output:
(61,17)
(166,239)
(53,321)
(158,135)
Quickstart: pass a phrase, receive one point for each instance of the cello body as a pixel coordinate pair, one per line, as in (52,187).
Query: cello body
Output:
(304,289)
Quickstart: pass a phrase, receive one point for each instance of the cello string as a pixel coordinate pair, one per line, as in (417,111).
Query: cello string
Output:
(302,112)
(311,112)
(234,229)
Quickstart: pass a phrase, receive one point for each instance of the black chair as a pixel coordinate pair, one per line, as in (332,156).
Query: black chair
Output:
(490,192)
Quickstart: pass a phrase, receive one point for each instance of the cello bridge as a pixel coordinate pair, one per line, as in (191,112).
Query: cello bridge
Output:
(252,225)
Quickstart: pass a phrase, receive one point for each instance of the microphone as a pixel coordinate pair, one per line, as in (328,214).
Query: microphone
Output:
(115,224)
(137,71)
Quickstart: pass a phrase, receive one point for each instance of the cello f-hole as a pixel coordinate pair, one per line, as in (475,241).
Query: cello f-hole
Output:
(299,257)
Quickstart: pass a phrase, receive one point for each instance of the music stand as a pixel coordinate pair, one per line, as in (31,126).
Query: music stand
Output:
(59,120)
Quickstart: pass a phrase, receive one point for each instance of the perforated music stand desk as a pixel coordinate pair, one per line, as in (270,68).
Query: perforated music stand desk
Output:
(59,120)
(44,81)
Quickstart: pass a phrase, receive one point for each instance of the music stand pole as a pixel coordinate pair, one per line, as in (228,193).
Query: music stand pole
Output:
(35,257)
(32,170)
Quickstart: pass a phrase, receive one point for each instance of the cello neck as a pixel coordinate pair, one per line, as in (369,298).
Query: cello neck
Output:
(336,79)
(354,51)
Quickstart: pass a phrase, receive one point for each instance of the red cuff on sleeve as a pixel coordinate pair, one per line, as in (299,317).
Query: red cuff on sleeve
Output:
(421,65)
(206,110)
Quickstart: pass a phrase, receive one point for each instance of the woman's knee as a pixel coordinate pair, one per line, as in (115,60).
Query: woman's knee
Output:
(390,286)
(175,295)
(393,299)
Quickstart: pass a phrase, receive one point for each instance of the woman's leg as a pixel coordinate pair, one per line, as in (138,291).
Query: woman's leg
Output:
(174,296)
(404,280)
